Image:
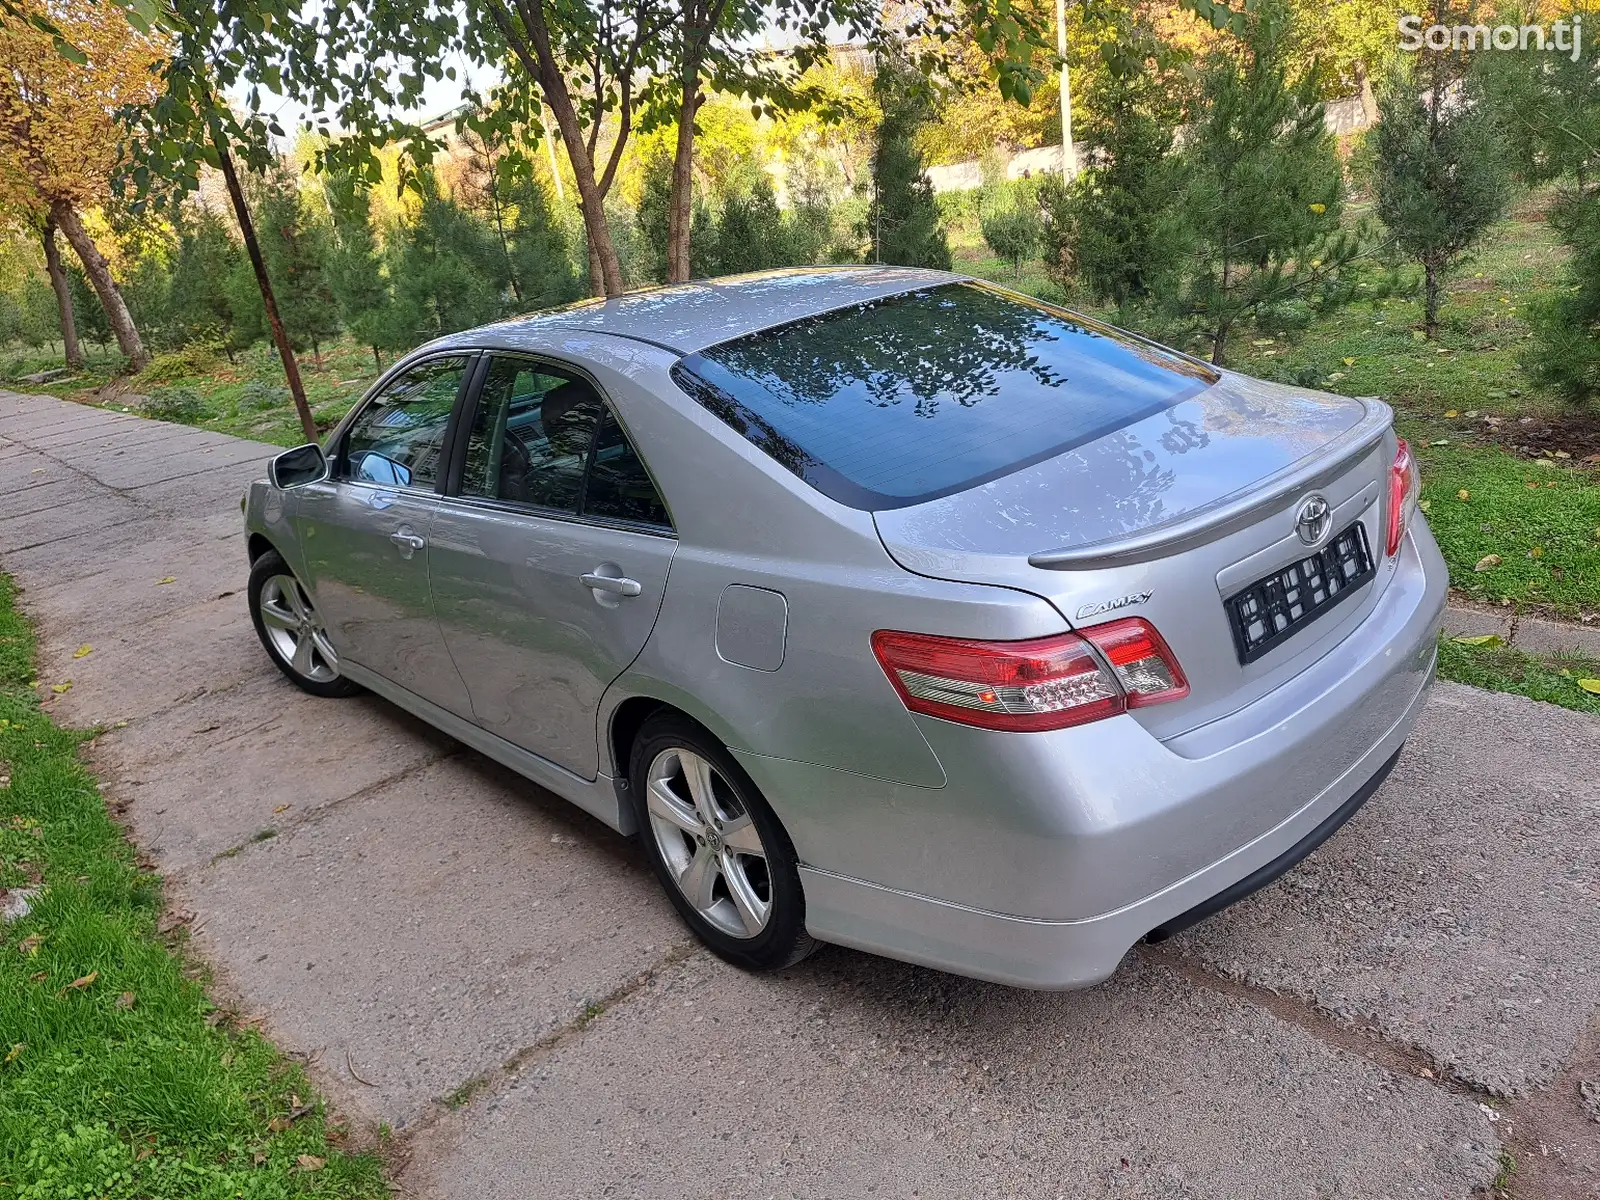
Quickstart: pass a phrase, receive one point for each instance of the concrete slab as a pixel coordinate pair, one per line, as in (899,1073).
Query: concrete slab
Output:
(1459,912)
(53,493)
(132,471)
(430,928)
(64,521)
(206,775)
(1538,636)
(852,1077)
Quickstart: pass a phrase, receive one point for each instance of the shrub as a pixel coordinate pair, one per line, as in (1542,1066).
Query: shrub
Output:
(179,404)
(1014,234)
(199,358)
(257,396)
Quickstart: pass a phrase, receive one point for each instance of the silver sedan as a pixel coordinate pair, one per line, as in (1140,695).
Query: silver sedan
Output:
(887,607)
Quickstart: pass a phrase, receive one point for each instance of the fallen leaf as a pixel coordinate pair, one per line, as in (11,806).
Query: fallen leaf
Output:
(281,808)
(1451,413)
(1536,552)
(1440,442)
(16,1052)
(30,944)
(38,976)
(1425,505)
(1543,462)
(1349,362)
(125,1000)
(82,981)
(1488,562)
(1319,209)
(166,579)
(1560,454)
(277,1124)
(1592,686)
(1463,494)
(310,1162)
(61,689)
(1482,639)
(83,651)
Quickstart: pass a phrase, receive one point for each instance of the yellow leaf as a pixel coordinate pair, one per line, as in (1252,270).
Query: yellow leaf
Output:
(83,650)
(1425,505)
(16,1052)
(1592,686)
(81,982)
(167,579)
(61,689)
(281,808)
(1536,552)
(1483,639)
(1463,494)
(1319,209)
(1349,362)
(1451,413)
(1488,562)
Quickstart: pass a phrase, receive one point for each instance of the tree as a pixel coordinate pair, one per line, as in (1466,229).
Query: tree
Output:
(1012,227)
(93,324)
(355,268)
(63,293)
(294,246)
(1117,226)
(1263,190)
(540,261)
(1439,174)
(206,258)
(903,220)
(59,143)
(446,270)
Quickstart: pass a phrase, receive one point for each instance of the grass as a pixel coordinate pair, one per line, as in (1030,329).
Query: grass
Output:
(1553,679)
(120,1080)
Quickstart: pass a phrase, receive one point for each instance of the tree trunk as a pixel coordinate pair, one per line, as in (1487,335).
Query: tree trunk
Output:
(58,282)
(247,230)
(1219,342)
(99,273)
(1433,294)
(680,205)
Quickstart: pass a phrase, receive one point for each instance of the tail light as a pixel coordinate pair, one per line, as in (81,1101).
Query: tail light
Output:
(1032,686)
(1404,483)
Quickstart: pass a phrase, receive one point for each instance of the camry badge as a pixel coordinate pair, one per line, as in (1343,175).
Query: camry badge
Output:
(1105,606)
(1313,519)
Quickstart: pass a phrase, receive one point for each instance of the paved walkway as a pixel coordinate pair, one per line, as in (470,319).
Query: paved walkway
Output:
(496,976)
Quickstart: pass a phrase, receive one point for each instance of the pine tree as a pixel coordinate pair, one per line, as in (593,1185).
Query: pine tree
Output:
(355,268)
(446,270)
(295,247)
(1439,174)
(93,325)
(653,215)
(200,308)
(1117,226)
(902,219)
(750,229)
(1263,192)
(542,273)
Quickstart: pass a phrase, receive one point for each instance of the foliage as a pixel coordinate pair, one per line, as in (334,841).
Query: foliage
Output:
(1119,226)
(179,404)
(199,308)
(355,277)
(257,396)
(540,259)
(1263,187)
(1013,227)
(903,220)
(1565,354)
(446,271)
(1439,176)
(120,1078)
(296,245)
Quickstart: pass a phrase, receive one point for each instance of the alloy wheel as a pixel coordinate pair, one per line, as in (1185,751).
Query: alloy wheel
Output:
(711,847)
(296,631)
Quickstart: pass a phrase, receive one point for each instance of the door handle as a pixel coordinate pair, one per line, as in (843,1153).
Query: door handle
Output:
(408,542)
(610,583)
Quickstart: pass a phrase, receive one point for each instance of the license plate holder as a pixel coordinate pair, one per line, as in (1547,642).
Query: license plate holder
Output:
(1275,607)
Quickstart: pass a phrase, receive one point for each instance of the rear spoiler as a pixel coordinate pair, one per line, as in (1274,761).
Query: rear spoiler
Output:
(1230,512)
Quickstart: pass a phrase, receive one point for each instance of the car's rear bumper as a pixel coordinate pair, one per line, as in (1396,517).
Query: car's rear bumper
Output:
(1044,875)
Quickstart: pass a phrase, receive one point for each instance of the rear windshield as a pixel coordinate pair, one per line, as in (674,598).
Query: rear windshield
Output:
(926,393)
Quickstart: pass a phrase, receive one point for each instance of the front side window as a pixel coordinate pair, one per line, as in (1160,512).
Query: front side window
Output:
(534,441)
(398,438)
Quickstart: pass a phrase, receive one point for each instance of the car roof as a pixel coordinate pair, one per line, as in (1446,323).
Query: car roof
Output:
(688,317)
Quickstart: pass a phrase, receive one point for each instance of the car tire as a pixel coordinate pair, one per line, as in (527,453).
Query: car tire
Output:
(720,853)
(287,623)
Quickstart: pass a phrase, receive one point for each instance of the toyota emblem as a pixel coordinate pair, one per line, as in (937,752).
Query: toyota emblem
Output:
(1312,521)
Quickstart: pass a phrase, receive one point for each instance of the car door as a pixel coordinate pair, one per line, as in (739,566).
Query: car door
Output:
(548,560)
(365,531)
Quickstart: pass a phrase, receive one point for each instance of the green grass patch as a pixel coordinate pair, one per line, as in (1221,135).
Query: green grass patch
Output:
(1541,523)
(1553,678)
(119,1081)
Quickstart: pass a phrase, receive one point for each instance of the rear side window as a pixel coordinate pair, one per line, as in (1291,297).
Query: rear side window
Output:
(913,397)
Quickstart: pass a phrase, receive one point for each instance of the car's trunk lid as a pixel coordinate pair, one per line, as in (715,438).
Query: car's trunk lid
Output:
(1164,518)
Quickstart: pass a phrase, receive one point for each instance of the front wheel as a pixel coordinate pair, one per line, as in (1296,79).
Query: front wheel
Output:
(720,853)
(287,623)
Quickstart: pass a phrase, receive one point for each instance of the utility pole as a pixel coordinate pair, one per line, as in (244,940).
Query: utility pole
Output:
(1069,153)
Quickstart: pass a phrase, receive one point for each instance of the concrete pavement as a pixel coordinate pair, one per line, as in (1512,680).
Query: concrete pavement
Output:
(495,976)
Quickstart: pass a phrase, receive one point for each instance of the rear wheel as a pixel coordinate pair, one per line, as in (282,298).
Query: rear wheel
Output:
(287,623)
(720,853)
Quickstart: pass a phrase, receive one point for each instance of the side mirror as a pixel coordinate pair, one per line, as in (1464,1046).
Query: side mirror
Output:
(302,465)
